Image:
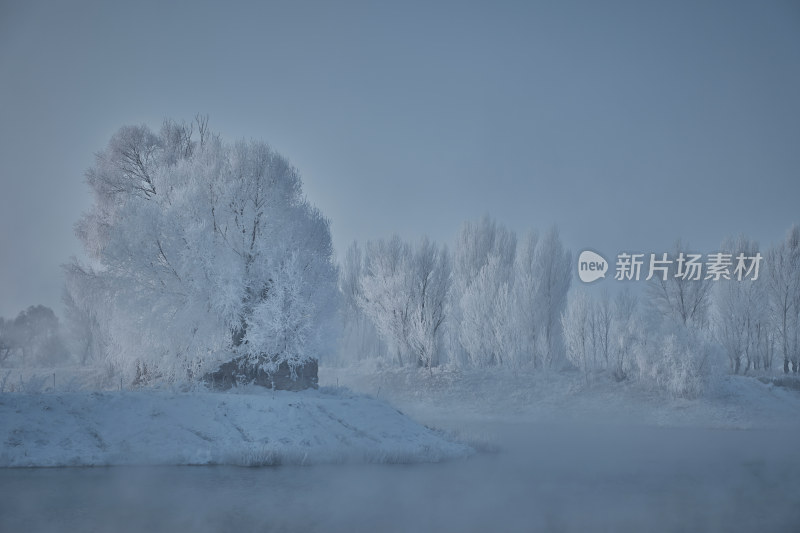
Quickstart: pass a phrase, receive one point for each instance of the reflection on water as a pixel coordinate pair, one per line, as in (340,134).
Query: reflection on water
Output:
(545,478)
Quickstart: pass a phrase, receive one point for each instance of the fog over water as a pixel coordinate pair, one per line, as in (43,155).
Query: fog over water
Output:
(543,478)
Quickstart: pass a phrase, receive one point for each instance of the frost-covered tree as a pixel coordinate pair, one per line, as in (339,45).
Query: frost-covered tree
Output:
(587,324)
(577,330)
(206,252)
(676,362)
(486,330)
(429,280)
(7,345)
(507,301)
(602,323)
(525,311)
(33,338)
(483,274)
(384,294)
(683,295)
(553,274)
(485,305)
(359,338)
(671,356)
(84,309)
(783,283)
(740,315)
(403,291)
(625,333)
(660,354)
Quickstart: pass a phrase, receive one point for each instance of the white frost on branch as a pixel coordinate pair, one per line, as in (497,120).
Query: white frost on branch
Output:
(206,250)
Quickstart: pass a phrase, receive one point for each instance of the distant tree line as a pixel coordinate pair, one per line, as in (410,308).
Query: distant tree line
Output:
(491,301)
(496,300)
(33,338)
(684,327)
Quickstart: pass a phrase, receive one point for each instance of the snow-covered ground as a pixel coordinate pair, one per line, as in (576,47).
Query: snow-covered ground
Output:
(451,398)
(251,426)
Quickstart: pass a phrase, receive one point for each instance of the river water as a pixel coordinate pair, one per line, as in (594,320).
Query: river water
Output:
(541,478)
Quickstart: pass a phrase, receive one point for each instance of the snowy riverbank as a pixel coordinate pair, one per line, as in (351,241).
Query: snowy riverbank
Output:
(454,399)
(247,427)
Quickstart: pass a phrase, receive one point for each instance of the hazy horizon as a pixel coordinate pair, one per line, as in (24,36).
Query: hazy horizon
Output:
(626,124)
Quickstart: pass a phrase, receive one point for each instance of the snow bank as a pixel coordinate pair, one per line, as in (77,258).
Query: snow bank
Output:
(449,398)
(247,428)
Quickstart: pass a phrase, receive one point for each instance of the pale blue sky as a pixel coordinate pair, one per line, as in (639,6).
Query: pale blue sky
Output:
(628,124)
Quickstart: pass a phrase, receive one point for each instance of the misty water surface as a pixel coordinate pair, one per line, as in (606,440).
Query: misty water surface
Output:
(544,478)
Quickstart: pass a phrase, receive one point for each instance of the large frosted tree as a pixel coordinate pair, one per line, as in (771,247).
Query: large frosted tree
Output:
(204,252)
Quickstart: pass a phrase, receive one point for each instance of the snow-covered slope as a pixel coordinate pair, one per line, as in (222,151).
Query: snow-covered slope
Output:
(247,427)
(450,398)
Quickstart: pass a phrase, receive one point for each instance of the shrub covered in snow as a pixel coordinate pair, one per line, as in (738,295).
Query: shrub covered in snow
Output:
(674,362)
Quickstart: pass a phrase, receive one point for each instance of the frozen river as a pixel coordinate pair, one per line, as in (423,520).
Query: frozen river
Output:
(543,478)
